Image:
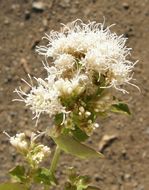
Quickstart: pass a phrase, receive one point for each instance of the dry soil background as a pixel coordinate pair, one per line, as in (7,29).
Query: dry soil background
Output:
(126,166)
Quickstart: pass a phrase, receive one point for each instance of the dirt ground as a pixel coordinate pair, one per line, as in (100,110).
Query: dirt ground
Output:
(126,166)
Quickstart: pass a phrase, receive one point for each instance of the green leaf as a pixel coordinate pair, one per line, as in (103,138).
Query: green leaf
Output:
(72,174)
(43,175)
(121,107)
(82,182)
(58,119)
(12,186)
(85,180)
(79,134)
(70,145)
(18,173)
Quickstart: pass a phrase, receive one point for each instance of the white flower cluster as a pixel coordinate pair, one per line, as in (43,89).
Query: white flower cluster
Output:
(85,58)
(94,48)
(33,153)
(38,154)
(19,142)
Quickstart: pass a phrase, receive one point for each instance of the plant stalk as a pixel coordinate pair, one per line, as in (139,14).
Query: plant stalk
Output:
(55,160)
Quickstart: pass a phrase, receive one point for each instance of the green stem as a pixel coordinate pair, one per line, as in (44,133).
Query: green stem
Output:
(29,182)
(46,187)
(55,160)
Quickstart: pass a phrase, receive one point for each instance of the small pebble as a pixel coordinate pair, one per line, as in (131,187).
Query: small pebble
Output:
(125,6)
(98,178)
(27,15)
(64,3)
(127,176)
(6,22)
(38,6)
(45,22)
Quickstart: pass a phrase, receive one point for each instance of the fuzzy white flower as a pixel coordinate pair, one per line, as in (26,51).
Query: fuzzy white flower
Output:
(19,142)
(64,62)
(119,73)
(94,47)
(95,61)
(40,154)
(74,86)
(33,152)
(46,150)
(42,99)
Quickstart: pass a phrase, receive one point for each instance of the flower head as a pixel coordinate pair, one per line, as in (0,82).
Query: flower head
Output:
(43,98)
(94,48)
(85,60)
(33,152)
(75,86)
(64,62)
(19,142)
(38,154)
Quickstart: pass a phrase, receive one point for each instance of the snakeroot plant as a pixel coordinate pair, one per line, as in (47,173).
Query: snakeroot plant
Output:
(87,66)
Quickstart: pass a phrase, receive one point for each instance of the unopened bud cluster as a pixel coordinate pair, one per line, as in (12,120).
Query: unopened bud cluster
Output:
(84,62)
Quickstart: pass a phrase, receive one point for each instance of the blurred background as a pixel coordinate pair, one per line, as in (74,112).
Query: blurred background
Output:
(22,25)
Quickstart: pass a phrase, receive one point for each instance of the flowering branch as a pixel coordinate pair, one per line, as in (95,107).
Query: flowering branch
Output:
(89,66)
